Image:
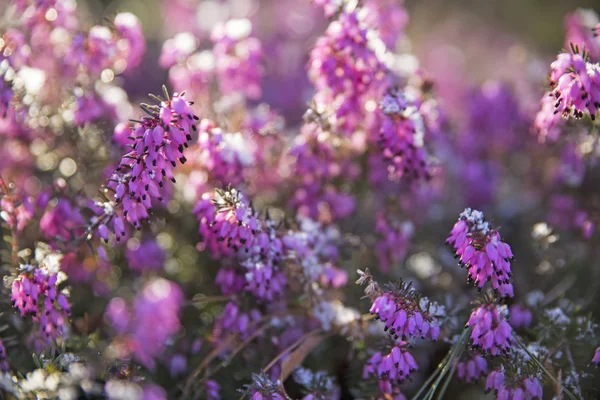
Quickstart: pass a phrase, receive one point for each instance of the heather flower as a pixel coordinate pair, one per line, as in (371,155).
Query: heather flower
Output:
(318,158)
(388,18)
(520,316)
(211,390)
(62,223)
(345,70)
(132,42)
(262,388)
(177,49)
(223,155)
(235,321)
(565,213)
(317,385)
(547,121)
(596,359)
(491,331)
(524,389)
(330,7)
(401,137)
(313,248)
(390,369)
(159,300)
(395,239)
(405,314)
(145,256)
(36,293)
(230,281)
(158,143)
(472,368)
(238,58)
(228,223)
(480,249)
(575,85)
(580,28)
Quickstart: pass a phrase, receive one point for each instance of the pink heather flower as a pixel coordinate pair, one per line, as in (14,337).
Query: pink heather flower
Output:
(264,278)
(238,58)
(211,390)
(596,359)
(234,321)
(401,137)
(132,43)
(388,18)
(145,256)
(575,85)
(313,248)
(580,30)
(547,121)
(565,213)
(158,143)
(317,161)
(481,250)
(36,292)
(330,7)
(178,49)
(344,70)
(227,222)
(473,369)
(491,332)
(223,155)
(525,389)
(405,315)
(395,240)
(146,326)
(520,316)
(230,281)
(390,369)
(62,223)
(263,388)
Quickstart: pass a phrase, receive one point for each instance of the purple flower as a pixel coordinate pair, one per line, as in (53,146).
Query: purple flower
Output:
(405,315)
(262,388)
(235,321)
(575,85)
(390,369)
(472,369)
(158,144)
(395,240)
(491,332)
(523,389)
(151,320)
(238,58)
(580,30)
(36,292)
(481,250)
(388,18)
(145,256)
(227,222)
(520,316)
(344,70)
(132,42)
(596,358)
(401,137)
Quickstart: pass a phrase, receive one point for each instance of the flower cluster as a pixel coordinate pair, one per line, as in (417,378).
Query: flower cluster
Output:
(527,389)
(405,314)
(36,292)
(157,145)
(473,369)
(136,324)
(390,369)
(345,70)
(575,85)
(481,250)
(491,331)
(401,137)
